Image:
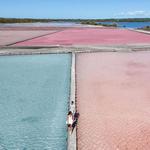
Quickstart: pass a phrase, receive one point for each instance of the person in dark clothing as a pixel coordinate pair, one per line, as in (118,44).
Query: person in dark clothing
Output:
(76,115)
(75,121)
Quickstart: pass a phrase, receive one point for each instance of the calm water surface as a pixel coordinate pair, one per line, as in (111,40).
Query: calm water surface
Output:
(73,24)
(130,24)
(39,24)
(34,92)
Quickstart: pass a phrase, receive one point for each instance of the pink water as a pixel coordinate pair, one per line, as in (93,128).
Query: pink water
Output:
(113,98)
(90,36)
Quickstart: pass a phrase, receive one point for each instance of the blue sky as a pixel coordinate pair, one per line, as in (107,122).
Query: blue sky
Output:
(74,8)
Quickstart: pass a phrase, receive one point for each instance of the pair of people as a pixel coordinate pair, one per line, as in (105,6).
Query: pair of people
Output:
(72,120)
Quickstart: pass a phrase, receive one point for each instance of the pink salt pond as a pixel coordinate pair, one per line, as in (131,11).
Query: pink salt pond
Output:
(113,98)
(90,36)
(11,36)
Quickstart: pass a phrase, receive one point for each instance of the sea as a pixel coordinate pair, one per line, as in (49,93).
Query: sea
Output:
(133,25)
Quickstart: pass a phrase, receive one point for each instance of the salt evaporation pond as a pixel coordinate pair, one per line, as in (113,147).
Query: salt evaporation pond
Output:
(34,93)
(41,24)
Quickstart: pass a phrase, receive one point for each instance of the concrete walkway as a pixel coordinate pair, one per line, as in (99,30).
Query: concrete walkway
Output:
(72,105)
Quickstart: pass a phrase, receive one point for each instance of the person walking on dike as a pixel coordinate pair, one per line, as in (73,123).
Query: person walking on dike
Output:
(69,121)
(75,120)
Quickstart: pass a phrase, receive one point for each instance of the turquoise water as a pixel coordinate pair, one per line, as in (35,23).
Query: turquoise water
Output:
(34,92)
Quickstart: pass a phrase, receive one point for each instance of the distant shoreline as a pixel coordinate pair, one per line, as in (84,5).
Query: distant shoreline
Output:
(30,20)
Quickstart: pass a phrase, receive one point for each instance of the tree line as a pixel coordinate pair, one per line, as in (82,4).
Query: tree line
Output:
(30,20)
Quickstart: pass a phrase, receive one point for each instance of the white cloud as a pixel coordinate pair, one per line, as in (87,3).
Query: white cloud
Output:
(134,13)
(138,13)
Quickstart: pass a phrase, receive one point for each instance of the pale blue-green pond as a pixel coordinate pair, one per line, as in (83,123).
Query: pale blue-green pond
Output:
(34,92)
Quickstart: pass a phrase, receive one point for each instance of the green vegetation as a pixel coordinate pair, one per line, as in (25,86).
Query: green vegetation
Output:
(123,20)
(88,21)
(98,24)
(24,20)
(30,20)
(110,25)
(147,28)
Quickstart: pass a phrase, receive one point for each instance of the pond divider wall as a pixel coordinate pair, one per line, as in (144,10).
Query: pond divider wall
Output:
(72,105)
